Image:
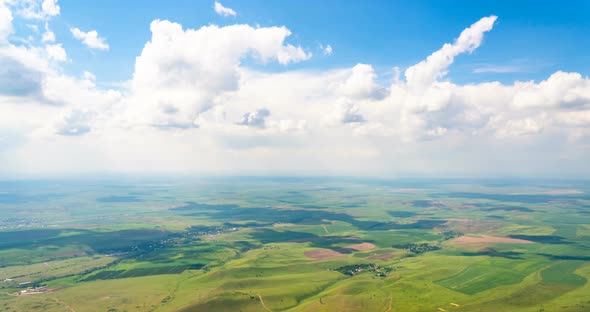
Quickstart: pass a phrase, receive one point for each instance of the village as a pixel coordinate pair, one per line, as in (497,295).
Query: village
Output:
(354,269)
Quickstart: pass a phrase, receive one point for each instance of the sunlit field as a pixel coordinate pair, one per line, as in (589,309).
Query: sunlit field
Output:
(253,244)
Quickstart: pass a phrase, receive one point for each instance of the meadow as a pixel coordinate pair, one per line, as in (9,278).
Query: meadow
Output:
(294,244)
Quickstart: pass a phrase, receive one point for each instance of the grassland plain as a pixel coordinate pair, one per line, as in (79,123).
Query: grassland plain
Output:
(248,245)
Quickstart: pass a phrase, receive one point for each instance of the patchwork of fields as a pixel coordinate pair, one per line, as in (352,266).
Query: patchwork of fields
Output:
(294,245)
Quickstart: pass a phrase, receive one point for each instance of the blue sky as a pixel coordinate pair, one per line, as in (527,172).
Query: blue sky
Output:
(531,39)
(406,88)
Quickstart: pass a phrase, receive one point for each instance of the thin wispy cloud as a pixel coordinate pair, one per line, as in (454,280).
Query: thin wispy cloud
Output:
(222,10)
(499,69)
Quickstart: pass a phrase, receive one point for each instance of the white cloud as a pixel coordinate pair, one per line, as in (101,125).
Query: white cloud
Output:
(518,127)
(56,52)
(435,65)
(36,9)
(5,22)
(193,106)
(361,83)
(90,39)
(48,35)
(33,27)
(560,89)
(50,7)
(438,131)
(182,73)
(255,119)
(498,69)
(40,102)
(223,11)
(89,76)
(327,50)
(574,118)
(345,112)
(74,123)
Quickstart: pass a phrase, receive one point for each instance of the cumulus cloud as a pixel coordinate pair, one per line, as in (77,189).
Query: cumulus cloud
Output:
(191,69)
(574,118)
(193,105)
(16,79)
(90,39)
(519,127)
(74,123)
(36,9)
(223,11)
(345,112)
(56,52)
(88,76)
(361,83)
(435,65)
(50,7)
(5,22)
(560,89)
(255,119)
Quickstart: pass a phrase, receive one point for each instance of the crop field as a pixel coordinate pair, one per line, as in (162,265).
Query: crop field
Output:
(477,278)
(563,273)
(300,244)
(54,269)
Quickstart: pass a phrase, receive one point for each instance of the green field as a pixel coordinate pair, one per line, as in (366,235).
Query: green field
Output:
(295,245)
(563,273)
(478,278)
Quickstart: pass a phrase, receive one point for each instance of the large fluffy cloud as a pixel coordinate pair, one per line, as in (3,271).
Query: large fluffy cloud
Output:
(361,83)
(183,73)
(16,79)
(37,100)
